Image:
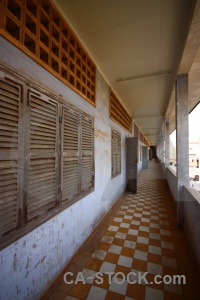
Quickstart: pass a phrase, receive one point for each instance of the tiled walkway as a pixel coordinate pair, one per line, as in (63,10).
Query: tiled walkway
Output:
(139,235)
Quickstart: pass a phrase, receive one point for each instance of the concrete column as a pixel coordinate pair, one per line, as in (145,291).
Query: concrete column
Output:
(158,150)
(182,141)
(167,158)
(163,145)
(162,148)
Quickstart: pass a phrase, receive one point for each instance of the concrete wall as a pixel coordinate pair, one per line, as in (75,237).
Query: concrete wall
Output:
(171,178)
(192,219)
(29,265)
(139,167)
(162,166)
(191,199)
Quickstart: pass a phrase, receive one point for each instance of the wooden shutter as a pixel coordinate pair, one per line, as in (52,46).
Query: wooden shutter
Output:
(87,160)
(116,153)
(10,168)
(42,173)
(70,154)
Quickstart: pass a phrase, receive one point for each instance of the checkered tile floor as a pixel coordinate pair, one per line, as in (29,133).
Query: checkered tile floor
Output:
(139,235)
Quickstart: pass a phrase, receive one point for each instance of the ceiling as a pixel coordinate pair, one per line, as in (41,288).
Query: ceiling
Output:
(137,45)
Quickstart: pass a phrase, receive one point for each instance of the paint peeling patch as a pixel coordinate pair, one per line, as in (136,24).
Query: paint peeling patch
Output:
(102,135)
(15,263)
(39,262)
(27,273)
(103,155)
(27,263)
(34,246)
(18,291)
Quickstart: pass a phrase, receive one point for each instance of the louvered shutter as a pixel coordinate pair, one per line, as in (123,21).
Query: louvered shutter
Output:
(42,164)
(116,153)
(70,154)
(10,165)
(87,159)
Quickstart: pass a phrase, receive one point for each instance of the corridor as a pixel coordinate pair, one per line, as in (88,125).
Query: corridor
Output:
(139,235)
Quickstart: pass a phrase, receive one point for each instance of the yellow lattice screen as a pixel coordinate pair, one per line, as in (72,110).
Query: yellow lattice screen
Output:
(37,28)
(136,131)
(140,136)
(118,113)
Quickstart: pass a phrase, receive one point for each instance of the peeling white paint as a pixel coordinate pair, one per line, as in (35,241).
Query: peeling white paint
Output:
(31,264)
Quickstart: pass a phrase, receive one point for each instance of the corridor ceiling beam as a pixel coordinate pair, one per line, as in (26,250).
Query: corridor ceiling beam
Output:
(143,76)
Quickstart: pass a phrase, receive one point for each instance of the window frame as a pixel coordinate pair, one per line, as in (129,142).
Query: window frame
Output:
(24,225)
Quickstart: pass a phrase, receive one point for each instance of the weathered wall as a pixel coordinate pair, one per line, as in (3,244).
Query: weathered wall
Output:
(191,199)
(162,166)
(170,175)
(29,265)
(139,164)
(192,219)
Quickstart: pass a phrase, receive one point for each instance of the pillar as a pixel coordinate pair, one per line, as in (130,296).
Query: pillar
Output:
(182,142)
(167,145)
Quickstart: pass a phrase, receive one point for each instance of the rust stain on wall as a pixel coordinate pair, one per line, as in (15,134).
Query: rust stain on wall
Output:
(102,135)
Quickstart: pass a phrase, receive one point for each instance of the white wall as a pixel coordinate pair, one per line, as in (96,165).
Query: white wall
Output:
(29,265)
(139,164)
(192,219)
(170,175)
(191,199)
